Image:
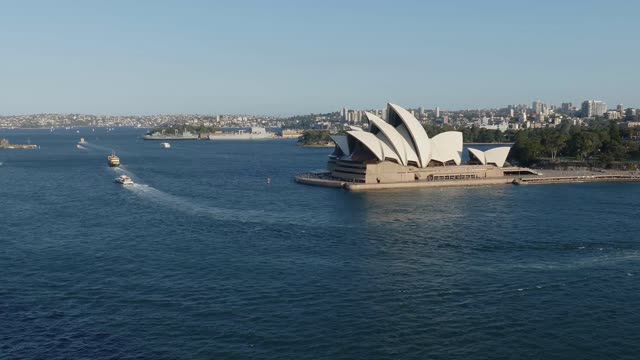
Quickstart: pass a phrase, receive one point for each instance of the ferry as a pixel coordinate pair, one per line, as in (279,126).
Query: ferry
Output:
(124,180)
(113,160)
(166,145)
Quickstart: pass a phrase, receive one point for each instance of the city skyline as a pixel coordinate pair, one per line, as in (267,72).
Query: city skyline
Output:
(437,110)
(287,58)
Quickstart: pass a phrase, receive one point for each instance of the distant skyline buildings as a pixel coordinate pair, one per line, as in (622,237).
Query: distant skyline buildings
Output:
(514,116)
(539,108)
(593,108)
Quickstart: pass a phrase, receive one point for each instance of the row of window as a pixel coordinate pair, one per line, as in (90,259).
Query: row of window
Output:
(451,177)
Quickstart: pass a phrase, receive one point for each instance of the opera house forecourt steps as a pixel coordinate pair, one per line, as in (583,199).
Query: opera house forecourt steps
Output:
(398,153)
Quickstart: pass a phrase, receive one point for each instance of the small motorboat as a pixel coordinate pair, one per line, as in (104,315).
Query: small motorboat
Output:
(124,180)
(166,145)
(113,160)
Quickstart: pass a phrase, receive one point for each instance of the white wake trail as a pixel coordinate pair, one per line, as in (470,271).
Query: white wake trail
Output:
(189,206)
(92,146)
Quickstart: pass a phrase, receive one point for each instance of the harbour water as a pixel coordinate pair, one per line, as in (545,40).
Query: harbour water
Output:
(203,259)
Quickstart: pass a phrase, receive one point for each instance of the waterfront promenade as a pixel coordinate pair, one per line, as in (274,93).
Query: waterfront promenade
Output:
(543,177)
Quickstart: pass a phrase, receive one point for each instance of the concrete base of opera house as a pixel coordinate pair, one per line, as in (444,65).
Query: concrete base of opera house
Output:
(325,180)
(312,179)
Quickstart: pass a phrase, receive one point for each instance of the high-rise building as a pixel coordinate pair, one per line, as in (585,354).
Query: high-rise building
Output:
(620,109)
(631,112)
(593,108)
(537,107)
(437,111)
(566,107)
(613,115)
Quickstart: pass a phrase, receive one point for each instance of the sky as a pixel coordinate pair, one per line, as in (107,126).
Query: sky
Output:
(298,57)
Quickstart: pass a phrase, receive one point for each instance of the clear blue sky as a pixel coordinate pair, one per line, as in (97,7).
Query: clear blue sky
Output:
(286,57)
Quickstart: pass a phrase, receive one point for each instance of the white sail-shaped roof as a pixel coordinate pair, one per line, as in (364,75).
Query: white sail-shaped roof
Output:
(497,156)
(379,148)
(447,146)
(342,143)
(478,154)
(418,136)
(395,140)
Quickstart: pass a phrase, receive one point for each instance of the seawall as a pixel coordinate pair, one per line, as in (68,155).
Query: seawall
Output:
(309,179)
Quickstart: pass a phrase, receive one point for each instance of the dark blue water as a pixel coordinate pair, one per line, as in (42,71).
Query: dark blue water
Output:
(203,259)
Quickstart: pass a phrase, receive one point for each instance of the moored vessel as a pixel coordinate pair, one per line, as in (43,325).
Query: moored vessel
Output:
(166,145)
(256,133)
(186,135)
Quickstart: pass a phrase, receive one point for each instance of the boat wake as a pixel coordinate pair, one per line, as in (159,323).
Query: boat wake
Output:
(188,206)
(87,145)
(122,170)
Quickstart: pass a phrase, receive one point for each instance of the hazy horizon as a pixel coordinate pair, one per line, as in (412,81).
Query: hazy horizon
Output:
(286,58)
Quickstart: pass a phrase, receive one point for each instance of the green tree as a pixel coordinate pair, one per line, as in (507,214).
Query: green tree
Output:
(553,141)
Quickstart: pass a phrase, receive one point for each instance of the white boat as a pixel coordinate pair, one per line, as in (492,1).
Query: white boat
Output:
(124,180)
(166,145)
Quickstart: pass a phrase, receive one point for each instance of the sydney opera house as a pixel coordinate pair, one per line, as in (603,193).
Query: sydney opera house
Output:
(398,149)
